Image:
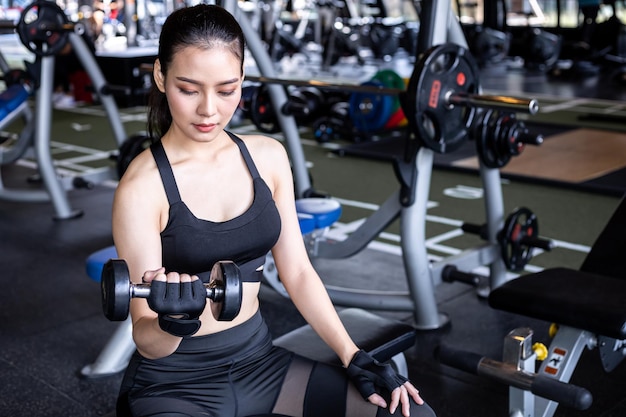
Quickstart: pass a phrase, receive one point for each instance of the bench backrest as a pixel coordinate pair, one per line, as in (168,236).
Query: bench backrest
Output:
(608,253)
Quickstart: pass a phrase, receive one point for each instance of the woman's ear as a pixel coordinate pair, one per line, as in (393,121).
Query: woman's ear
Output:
(159,78)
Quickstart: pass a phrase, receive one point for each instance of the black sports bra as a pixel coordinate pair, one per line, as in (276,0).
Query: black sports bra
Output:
(192,245)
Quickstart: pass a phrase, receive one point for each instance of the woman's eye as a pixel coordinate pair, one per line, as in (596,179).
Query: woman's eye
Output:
(186,92)
(227,93)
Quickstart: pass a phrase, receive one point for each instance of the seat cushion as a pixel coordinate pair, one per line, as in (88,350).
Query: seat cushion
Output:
(383,338)
(569,297)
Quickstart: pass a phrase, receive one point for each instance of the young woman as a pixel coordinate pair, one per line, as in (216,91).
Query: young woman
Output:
(201,195)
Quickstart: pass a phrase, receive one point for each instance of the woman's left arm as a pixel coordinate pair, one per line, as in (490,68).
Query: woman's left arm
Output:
(292,261)
(306,288)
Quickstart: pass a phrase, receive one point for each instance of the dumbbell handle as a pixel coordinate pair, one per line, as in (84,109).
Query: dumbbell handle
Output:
(213,292)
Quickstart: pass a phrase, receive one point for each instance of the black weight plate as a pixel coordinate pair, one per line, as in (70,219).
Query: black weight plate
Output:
(488,141)
(442,71)
(115,290)
(43,23)
(520,224)
(262,112)
(226,280)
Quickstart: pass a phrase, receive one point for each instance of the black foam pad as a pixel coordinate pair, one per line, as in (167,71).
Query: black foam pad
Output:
(568,297)
(383,338)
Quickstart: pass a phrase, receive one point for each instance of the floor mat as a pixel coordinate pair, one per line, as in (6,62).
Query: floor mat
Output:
(590,159)
(575,156)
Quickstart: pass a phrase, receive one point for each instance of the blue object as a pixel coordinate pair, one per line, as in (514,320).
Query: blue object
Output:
(12,98)
(95,262)
(370,111)
(325,211)
(307,223)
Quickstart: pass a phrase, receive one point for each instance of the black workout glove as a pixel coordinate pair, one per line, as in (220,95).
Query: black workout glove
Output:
(367,373)
(185,300)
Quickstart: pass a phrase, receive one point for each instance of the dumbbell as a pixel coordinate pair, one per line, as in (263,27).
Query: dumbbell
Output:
(224,290)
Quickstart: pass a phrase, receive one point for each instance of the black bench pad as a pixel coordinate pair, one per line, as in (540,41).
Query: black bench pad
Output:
(582,300)
(381,337)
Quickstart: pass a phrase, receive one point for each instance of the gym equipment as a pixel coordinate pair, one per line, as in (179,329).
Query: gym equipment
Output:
(383,338)
(261,111)
(305,103)
(542,50)
(371,112)
(517,239)
(435,97)
(223,289)
(488,45)
(316,216)
(441,101)
(501,136)
(44,29)
(517,370)
(586,308)
(438,27)
(334,125)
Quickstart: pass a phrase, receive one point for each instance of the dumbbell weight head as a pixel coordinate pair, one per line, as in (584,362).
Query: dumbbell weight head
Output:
(224,289)
(115,290)
(225,281)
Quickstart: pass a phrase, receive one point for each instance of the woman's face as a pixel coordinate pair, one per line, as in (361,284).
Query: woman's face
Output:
(203,89)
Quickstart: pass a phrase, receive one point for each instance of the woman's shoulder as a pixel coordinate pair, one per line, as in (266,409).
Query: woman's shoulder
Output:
(140,174)
(269,156)
(261,146)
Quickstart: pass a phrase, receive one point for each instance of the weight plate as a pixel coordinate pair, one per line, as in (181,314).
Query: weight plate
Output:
(226,279)
(488,137)
(442,71)
(520,225)
(115,290)
(43,28)
(262,111)
(391,79)
(370,111)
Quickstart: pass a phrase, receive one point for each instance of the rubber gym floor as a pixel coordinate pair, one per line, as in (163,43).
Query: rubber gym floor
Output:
(52,323)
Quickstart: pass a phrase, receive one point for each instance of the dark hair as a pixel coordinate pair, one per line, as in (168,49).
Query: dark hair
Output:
(200,26)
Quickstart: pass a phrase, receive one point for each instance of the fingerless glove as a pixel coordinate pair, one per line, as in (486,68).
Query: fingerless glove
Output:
(179,305)
(367,373)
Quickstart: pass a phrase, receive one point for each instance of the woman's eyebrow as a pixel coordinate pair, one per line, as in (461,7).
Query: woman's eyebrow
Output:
(196,82)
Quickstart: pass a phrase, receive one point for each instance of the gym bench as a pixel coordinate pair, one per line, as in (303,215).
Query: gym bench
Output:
(588,308)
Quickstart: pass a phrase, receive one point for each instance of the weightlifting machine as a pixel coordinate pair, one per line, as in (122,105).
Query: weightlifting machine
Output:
(586,307)
(444,107)
(44,30)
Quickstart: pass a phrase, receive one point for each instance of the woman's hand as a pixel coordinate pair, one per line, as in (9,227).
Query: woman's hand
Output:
(148,276)
(367,374)
(178,299)
(399,396)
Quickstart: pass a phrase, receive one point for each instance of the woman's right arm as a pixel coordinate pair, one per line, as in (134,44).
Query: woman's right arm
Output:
(137,210)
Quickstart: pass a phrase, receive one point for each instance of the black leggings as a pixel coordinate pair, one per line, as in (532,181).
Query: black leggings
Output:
(238,372)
